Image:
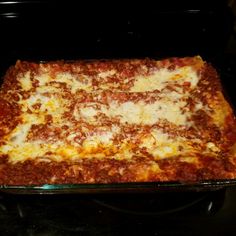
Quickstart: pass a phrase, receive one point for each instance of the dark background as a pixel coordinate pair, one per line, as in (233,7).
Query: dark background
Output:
(113,29)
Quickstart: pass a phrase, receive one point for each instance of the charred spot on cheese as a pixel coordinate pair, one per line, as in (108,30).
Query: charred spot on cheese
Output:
(155,116)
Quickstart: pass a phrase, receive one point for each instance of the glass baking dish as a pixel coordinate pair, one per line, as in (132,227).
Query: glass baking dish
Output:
(149,187)
(130,187)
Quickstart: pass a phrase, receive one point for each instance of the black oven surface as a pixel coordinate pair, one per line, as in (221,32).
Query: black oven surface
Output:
(47,30)
(130,214)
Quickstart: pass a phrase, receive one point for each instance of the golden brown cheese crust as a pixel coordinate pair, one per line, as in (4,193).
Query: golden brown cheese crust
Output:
(66,122)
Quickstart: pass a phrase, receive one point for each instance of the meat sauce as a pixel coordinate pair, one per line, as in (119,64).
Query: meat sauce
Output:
(143,166)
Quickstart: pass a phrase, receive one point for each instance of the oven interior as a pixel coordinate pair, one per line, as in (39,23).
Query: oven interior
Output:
(50,30)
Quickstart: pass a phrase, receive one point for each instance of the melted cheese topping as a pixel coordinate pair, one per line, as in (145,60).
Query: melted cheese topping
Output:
(159,79)
(106,74)
(147,114)
(25,81)
(53,105)
(160,145)
(72,82)
(96,140)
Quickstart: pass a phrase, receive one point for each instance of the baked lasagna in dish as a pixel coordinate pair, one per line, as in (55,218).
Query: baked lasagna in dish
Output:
(110,121)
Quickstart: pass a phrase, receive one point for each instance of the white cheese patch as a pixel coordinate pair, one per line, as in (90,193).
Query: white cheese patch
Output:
(148,114)
(32,100)
(160,78)
(106,74)
(19,134)
(43,79)
(88,112)
(97,145)
(26,151)
(212,147)
(104,138)
(73,82)
(198,106)
(53,105)
(160,145)
(36,149)
(25,81)
(115,128)
(71,137)
(17,147)
(125,152)
(175,96)
(47,89)
(30,119)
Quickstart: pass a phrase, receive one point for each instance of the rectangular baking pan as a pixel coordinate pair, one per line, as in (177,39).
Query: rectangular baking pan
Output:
(132,187)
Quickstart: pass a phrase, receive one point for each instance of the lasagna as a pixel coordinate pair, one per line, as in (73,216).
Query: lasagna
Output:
(111,121)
